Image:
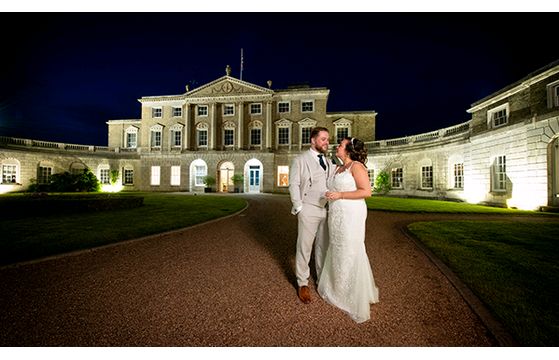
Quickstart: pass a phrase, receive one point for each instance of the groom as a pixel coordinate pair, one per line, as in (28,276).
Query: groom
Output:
(308,177)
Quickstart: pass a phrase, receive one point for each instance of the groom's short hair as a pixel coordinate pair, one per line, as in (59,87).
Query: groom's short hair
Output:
(316,130)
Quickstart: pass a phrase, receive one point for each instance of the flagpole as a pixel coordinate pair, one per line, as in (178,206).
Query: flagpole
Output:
(241,77)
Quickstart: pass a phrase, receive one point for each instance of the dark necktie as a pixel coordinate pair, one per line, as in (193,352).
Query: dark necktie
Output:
(321,161)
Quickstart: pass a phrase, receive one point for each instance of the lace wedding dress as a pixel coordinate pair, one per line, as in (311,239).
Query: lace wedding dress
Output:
(347,280)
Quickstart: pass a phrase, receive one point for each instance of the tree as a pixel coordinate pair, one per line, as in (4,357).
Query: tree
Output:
(238,180)
(209,181)
(382,181)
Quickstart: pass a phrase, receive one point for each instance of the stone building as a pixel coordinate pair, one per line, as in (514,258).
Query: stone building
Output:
(507,154)
(220,129)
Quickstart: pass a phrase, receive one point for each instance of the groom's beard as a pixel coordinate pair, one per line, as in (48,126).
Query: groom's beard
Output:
(322,151)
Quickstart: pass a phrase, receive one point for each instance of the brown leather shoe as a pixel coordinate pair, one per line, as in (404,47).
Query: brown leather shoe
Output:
(304,294)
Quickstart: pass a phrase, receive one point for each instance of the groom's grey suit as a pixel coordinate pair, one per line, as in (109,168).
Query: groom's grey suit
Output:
(308,183)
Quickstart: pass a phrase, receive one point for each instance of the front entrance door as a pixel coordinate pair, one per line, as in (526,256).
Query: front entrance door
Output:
(226,171)
(254,179)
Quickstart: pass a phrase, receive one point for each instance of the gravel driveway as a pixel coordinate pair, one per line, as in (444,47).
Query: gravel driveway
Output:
(231,283)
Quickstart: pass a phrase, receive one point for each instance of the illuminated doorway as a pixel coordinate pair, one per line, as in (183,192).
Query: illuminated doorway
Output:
(254,169)
(226,171)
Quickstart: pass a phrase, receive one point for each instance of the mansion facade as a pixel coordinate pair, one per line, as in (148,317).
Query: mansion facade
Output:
(507,154)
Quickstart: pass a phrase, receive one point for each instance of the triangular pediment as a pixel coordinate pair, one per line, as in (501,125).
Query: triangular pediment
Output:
(343,122)
(228,86)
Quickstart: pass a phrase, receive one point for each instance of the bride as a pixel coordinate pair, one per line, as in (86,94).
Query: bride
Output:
(347,280)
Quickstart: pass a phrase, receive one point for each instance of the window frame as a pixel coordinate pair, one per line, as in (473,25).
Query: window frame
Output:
(157,112)
(175,175)
(303,102)
(499,183)
(259,112)
(259,136)
(427,177)
(226,107)
(288,103)
(200,112)
(175,108)
(397,179)
(282,176)
(13,174)
(155,176)
(284,128)
(492,112)
(42,178)
(458,175)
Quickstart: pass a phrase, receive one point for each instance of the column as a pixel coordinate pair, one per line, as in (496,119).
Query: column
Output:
(213,130)
(240,127)
(268,125)
(187,126)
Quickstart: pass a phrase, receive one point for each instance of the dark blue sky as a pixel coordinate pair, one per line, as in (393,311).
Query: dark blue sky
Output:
(68,73)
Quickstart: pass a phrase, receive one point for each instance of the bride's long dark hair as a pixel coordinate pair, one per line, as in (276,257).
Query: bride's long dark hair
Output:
(356,150)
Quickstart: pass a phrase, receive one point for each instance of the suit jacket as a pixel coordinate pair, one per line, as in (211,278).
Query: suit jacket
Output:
(308,181)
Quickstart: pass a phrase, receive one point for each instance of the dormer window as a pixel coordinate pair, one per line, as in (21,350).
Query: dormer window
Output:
(553,95)
(498,116)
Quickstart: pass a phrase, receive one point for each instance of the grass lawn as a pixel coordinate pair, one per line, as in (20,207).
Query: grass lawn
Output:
(438,206)
(31,238)
(512,266)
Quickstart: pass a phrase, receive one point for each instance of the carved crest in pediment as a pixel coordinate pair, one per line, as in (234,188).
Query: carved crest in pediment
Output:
(228,86)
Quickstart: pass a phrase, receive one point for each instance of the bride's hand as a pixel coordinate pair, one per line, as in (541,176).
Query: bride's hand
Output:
(333,195)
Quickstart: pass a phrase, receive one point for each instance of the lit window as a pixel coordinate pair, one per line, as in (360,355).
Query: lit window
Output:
(155,175)
(307,106)
(283,136)
(9,174)
(500,173)
(199,173)
(202,110)
(175,175)
(228,110)
(128,176)
(283,176)
(283,107)
(156,112)
(458,176)
(104,176)
(397,178)
(371,173)
(255,109)
(177,111)
(427,177)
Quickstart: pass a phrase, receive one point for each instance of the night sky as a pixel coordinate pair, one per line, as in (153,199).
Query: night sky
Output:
(68,73)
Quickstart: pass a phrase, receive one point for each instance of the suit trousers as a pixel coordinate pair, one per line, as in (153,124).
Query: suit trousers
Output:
(312,229)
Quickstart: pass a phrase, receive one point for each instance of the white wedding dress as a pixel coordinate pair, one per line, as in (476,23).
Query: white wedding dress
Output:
(347,280)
